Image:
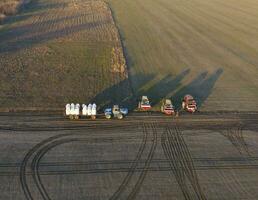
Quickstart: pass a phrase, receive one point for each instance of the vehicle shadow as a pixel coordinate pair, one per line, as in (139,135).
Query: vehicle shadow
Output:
(200,88)
(167,87)
(120,94)
(164,87)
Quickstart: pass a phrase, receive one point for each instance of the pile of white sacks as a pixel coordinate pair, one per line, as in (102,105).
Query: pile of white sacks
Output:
(75,110)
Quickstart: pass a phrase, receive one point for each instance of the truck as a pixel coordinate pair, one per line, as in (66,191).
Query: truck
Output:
(167,107)
(116,112)
(189,104)
(144,104)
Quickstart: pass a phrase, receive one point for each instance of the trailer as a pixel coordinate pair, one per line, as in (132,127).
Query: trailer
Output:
(74,111)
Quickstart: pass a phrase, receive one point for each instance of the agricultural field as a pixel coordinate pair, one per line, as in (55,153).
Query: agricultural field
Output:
(59,51)
(149,157)
(206,48)
(55,52)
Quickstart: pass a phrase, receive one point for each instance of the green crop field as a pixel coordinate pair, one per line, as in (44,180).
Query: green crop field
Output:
(206,48)
(60,51)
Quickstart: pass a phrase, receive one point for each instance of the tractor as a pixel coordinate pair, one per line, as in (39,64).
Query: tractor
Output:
(189,104)
(144,104)
(115,112)
(167,107)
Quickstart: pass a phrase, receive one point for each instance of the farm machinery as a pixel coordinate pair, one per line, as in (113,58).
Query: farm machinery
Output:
(167,107)
(189,104)
(116,112)
(75,111)
(144,104)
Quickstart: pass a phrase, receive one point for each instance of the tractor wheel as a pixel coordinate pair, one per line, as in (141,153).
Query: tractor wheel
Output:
(71,117)
(108,116)
(120,116)
(76,117)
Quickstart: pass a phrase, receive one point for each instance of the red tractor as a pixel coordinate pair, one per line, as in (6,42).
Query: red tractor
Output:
(167,107)
(189,104)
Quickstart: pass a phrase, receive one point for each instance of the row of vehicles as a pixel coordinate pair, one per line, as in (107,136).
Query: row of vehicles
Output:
(188,104)
(75,111)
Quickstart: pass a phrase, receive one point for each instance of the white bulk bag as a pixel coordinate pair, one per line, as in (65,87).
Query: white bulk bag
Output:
(68,109)
(84,110)
(89,109)
(77,109)
(72,109)
(94,109)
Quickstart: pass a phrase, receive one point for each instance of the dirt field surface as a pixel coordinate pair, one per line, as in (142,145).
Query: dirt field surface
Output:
(206,48)
(59,51)
(145,156)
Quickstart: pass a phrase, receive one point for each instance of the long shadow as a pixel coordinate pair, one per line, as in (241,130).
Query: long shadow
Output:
(200,88)
(13,39)
(120,94)
(165,86)
(117,94)
(28,41)
(23,31)
(31,9)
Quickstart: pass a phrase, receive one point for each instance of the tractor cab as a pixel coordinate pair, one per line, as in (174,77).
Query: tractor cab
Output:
(116,109)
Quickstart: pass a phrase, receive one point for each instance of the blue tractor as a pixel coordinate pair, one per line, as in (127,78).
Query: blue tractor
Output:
(115,112)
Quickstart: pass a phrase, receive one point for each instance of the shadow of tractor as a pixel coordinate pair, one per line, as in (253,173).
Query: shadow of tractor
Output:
(200,88)
(159,88)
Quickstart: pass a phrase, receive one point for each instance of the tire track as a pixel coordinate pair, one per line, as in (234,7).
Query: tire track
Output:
(143,174)
(226,159)
(37,158)
(25,161)
(132,168)
(177,171)
(43,147)
(64,128)
(181,163)
(126,169)
(235,136)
